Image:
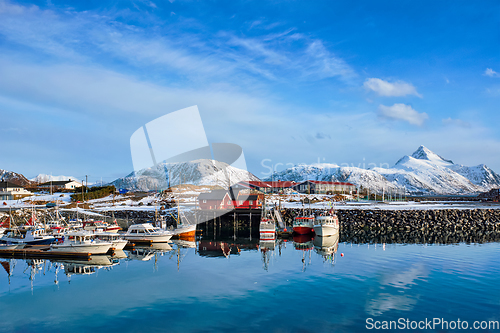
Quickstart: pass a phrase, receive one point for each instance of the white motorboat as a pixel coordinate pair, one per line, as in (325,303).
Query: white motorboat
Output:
(146,232)
(327,225)
(81,242)
(118,242)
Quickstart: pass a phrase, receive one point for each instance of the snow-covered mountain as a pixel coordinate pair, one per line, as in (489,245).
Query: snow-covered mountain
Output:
(14,177)
(42,178)
(333,172)
(199,172)
(423,172)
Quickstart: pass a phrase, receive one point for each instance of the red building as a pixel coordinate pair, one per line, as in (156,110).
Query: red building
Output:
(221,199)
(217,199)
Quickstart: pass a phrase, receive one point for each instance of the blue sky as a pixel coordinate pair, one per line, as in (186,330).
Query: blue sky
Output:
(289,81)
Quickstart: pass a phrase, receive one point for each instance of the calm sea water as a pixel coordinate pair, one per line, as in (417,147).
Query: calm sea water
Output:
(247,286)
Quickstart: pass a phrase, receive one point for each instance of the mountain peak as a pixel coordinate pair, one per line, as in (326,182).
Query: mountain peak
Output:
(424,153)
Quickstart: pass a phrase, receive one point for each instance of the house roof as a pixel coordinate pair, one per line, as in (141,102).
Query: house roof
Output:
(275,184)
(58,182)
(214,195)
(4,184)
(327,183)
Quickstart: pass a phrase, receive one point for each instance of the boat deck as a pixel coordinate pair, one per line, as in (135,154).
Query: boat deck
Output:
(40,252)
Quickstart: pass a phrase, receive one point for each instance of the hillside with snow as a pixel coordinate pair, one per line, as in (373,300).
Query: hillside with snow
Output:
(199,172)
(424,172)
(14,177)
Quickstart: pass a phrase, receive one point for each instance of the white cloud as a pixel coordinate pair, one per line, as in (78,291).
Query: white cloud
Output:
(385,88)
(456,122)
(404,112)
(491,73)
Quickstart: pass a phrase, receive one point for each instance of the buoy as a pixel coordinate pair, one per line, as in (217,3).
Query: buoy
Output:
(341,254)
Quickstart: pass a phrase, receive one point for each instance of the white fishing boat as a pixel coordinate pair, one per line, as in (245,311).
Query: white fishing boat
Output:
(326,225)
(147,232)
(91,225)
(29,236)
(267,229)
(81,242)
(116,239)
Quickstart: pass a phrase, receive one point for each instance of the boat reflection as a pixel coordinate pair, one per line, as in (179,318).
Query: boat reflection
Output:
(266,247)
(185,243)
(146,253)
(305,244)
(326,246)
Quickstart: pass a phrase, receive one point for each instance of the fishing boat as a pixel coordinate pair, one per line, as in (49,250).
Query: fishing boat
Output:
(91,225)
(118,243)
(267,226)
(303,225)
(147,232)
(326,225)
(30,236)
(81,242)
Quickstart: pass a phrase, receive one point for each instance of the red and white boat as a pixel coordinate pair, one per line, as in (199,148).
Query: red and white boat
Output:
(303,225)
(267,228)
(101,225)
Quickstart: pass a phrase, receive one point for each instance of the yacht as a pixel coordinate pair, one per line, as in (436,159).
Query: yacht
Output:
(146,232)
(116,239)
(81,242)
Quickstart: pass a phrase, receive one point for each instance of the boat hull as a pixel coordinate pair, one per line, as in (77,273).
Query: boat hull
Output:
(326,230)
(81,248)
(186,231)
(303,230)
(151,238)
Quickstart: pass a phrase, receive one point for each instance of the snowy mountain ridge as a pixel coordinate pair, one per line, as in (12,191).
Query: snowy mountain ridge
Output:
(198,172)
(424,172)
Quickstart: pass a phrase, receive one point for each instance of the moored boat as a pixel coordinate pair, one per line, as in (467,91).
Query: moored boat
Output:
(267,228)
(146,232)
(327,225)
(29,236)
(117,242)
(303,225)
(81,242)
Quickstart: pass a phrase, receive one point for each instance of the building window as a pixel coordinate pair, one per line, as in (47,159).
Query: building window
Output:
(204,201)
(251,202)
(240,202)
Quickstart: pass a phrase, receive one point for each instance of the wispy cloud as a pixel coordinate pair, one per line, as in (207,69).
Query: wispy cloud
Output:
(456,122)
(491,73)
(403,112)
(186,49)
(386,88)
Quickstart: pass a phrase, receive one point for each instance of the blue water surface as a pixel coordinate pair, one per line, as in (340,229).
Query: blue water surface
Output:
(252,288)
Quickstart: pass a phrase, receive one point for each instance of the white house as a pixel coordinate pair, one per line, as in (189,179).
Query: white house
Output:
(11,191)
(61,184)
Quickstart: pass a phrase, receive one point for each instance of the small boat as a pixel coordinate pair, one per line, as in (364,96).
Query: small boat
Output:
(91,225)
(81,242)
(185,230)
(146,232)
(28,236)
(303,225)
(267,228)
(116,239)
(326,225)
